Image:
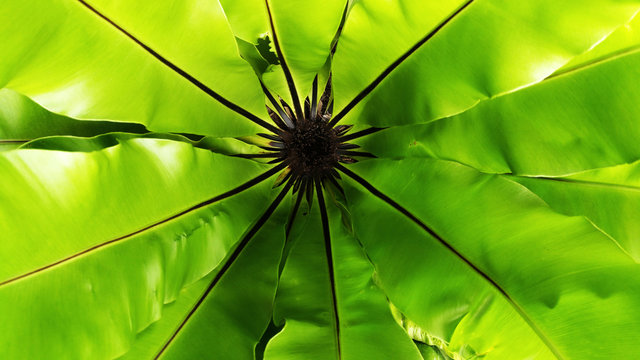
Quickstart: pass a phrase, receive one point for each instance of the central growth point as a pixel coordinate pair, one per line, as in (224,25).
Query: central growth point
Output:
(312,148)
(308,146)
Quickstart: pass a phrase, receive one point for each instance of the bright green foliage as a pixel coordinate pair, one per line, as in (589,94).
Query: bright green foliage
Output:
(22,121)
(498,221)
(544,129)
(305,307)
(502,236)
(85,58)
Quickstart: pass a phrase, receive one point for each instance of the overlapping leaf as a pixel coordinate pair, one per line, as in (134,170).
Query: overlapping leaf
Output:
(21,121)
(600,195)
(107,75)
(522,280)
(581,120)
(358,325)
(78,279)
(463,52)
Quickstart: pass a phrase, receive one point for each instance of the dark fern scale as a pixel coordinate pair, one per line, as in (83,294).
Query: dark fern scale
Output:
(309,145)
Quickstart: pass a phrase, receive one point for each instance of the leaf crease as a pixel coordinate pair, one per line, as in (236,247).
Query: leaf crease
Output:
(227,264)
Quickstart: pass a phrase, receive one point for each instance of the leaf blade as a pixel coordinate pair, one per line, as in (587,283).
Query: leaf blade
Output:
(304,301)
(534,264)
(470,59)
(126,83)
(119,289)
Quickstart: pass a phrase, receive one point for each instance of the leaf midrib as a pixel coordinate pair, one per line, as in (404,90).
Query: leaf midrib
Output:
(326,233)
(389,69)
(228,263)
(413,218)
(165,61)
(234,191)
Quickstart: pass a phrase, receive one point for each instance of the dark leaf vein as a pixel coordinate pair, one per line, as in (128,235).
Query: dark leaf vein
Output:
(230,260)
(220,197)
(330,264)
(395,64)
(374,191)
(232,106)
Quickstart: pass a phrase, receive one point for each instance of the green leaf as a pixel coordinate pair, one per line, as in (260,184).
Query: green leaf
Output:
(151,340)
(581,120)
(601,195)
(429,353)
(257,275)
(622,41)
(22,120)
(241,304)
(520,280)
(479,49)
(228,146)
(497,222)
(359,324)
(72,62)
(69,254)
(305,32)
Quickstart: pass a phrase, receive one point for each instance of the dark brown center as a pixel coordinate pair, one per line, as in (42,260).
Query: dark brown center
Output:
(311,148)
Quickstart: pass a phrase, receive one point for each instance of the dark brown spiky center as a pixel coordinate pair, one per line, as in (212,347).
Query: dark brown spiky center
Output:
(308,144)
(311,148)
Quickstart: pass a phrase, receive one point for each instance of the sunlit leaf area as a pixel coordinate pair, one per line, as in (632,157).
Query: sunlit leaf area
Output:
(320,179)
